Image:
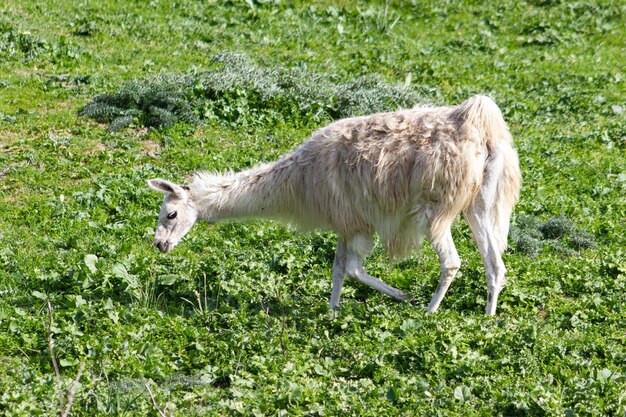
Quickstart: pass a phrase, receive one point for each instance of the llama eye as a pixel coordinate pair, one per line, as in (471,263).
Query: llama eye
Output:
(172,215)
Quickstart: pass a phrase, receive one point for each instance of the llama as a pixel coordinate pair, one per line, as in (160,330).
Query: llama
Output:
(405,175)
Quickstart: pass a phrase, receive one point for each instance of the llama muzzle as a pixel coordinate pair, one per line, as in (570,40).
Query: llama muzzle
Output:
(163,246)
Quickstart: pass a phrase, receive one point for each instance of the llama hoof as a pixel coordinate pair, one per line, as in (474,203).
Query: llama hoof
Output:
(404,297)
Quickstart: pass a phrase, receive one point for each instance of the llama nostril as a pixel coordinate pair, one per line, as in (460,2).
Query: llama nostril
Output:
(163,246)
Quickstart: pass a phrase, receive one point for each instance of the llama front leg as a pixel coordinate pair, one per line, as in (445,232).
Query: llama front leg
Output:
(357,249)
(339,273)
(450,264)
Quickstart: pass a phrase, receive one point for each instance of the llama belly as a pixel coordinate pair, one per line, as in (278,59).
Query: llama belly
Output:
(401,235)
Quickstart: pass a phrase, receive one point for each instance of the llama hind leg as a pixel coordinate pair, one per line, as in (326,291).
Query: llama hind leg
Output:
(483,216)
(339,273)
(357,249)
(482,228)
(450,264)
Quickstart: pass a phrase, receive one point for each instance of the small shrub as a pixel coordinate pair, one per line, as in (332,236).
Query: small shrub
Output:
(236,91)
(582,240)
(526,236)
(530,235)
(556,227)
(528,245)
(158,102)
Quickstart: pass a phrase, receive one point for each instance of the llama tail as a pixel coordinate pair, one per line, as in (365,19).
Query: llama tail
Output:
(507,194)
(483,114)
(502,172)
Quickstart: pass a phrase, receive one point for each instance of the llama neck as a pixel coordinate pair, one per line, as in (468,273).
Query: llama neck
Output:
(268,191)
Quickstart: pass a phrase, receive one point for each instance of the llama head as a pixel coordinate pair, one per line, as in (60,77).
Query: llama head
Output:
(178,214)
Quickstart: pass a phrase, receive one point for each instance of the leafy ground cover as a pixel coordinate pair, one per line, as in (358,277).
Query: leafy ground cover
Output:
(235,321)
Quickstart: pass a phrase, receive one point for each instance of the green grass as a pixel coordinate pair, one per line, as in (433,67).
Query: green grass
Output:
(235,321)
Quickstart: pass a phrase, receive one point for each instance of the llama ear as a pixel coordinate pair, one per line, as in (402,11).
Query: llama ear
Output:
(165,187)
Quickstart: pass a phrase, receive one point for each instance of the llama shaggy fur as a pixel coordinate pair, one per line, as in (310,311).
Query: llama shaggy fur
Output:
(404,175)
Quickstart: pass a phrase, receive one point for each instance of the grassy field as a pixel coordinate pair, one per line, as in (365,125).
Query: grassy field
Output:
(235,321)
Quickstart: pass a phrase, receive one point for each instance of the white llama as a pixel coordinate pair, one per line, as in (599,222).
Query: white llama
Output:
(405,175)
